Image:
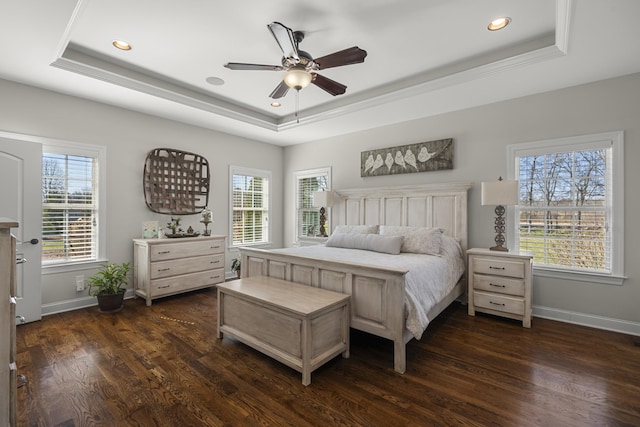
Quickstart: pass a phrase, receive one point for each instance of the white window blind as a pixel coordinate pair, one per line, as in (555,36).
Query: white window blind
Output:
(69,208)
(570,209)
(250,207)
(308,216)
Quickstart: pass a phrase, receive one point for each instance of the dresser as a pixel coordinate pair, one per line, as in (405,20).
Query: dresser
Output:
(163,267)
(8,368)
(500,283)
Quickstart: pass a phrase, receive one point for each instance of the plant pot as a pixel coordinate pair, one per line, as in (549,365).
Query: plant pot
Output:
(110,303)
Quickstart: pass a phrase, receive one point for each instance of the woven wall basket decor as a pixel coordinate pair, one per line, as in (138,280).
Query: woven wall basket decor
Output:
(176,182)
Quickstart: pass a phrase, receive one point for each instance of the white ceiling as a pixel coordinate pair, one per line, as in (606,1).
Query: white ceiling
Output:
(425,57)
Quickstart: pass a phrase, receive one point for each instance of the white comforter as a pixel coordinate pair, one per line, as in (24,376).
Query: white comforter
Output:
(428,280)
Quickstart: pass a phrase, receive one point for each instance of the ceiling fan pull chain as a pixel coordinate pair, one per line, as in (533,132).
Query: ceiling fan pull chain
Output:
(297,105)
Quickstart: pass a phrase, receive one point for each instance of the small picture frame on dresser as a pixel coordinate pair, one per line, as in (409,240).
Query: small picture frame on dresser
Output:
(150,229)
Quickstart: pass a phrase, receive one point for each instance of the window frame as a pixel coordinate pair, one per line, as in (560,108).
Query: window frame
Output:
(612,140)
(100,154)
(297,176)
(265,174)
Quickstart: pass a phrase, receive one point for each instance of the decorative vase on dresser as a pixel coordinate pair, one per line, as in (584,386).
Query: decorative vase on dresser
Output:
(163,267)
(500,283)
(8,368)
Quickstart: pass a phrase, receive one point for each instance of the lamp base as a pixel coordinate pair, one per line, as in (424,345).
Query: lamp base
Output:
(499,228)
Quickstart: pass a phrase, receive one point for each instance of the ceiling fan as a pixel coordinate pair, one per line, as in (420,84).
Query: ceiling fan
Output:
(301,68)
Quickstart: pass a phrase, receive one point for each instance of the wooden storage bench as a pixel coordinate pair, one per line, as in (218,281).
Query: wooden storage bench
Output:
(298,325)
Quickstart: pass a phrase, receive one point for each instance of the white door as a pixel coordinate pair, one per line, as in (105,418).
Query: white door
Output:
(21,199)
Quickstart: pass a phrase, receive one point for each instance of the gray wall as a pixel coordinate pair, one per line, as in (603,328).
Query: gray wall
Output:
(129,136)
(480,136)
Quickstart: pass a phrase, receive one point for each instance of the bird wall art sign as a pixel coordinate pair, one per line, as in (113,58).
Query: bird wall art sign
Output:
(419,157)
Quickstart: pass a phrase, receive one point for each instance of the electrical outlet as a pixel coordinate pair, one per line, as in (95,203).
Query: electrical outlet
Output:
(80,283)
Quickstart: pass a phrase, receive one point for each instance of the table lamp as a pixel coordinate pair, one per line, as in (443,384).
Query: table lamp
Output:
(322,199)
(500,193)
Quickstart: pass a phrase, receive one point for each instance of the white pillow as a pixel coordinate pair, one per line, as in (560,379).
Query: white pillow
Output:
(450,247)
(356,229)
(417,240)
(368,242)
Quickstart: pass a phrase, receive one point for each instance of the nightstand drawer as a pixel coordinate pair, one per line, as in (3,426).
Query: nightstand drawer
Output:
(503,285)
(499,303)
(499,267)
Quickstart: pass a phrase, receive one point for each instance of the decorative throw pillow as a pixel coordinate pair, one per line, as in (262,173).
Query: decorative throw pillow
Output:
(368,242)
(417,240)
(450,247)
(356,229)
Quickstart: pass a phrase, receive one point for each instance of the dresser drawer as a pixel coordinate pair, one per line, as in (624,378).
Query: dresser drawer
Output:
(499,267)
(186,282)
(500,284)
(186,249)
(185,265)
(496,302)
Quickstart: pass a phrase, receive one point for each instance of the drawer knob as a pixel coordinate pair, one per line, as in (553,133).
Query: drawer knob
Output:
(496,303)
(214,247)
(164,252)
(497,286)
(214,262)
(163,287)
(164,269)
(495,268)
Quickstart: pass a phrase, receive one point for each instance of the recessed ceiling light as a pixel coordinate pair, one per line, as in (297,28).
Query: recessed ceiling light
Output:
(498,24)
(122,45)
(276,104)
(216,81)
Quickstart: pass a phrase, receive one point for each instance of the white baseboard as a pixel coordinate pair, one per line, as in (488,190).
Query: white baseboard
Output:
(599,322)
(75,304)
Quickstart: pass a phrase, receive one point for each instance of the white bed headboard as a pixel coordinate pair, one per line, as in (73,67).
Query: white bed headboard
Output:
(427,205)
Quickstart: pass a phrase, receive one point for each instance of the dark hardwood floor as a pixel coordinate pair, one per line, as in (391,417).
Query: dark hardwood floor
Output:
(163,366)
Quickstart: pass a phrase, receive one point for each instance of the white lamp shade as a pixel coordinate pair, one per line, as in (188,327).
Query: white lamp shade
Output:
(500,193)
(323,199)
(297,78)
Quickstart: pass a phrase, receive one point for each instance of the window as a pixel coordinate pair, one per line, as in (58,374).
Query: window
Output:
(570,209)
(71,203)
(249,206)
(307,216)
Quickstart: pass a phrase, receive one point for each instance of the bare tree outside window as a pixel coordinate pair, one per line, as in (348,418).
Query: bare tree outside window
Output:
(563,210)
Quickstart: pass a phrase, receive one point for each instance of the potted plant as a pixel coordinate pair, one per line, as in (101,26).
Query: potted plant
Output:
(235,266)
(107,285)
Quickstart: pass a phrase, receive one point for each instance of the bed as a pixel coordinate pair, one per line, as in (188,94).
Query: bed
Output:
(384,300)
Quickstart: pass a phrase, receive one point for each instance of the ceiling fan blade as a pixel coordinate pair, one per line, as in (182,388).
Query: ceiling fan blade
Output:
(286,40)
(352,55)
(280,91)
(243,66)
(328,85)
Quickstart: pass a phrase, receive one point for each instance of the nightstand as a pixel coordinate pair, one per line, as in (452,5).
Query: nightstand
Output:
(500,283)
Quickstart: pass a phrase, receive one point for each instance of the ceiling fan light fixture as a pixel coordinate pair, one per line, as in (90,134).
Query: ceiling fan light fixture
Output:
(297,78)
(498,23)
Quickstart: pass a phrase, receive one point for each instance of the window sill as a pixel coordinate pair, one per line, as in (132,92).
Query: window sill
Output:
(310,241)
(72,266)
(262,245)
(603,279)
